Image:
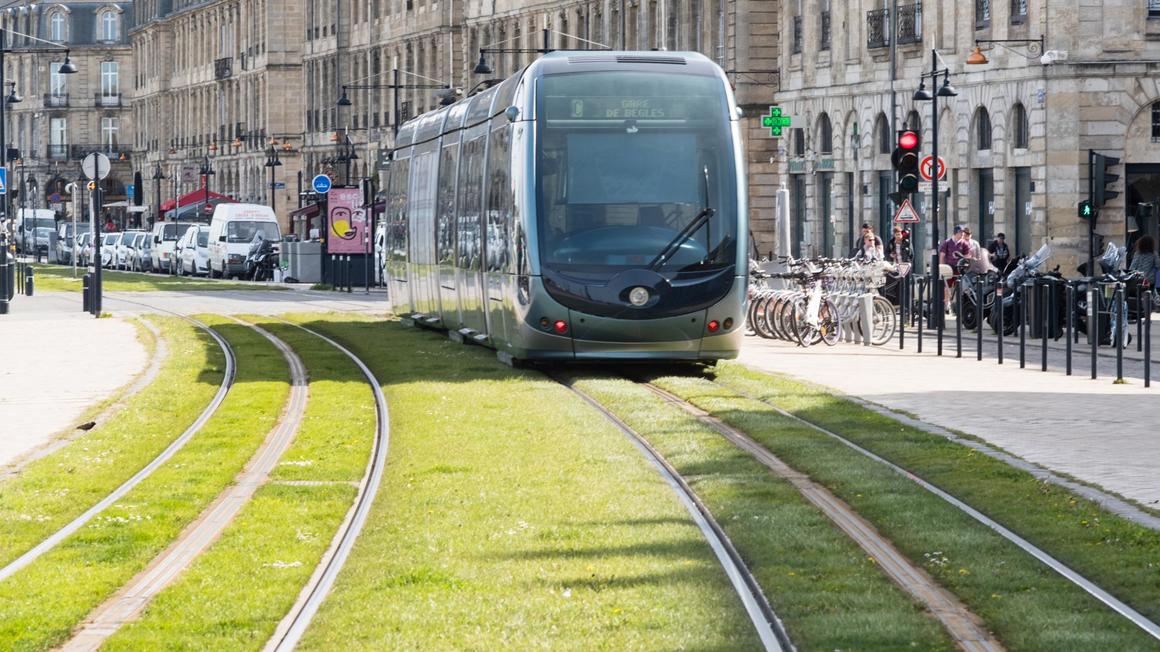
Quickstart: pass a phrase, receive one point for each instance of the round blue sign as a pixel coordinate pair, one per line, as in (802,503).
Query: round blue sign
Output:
(321,184)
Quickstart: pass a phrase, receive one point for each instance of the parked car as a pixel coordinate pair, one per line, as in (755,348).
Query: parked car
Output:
(84,245)
(193,251)
(27,221)
(109,248)
(125,252)
(65,241)
(143,250)
(165,236)
(44,239)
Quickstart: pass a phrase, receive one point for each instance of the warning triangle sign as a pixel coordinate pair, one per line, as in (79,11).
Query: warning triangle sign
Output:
(906,213)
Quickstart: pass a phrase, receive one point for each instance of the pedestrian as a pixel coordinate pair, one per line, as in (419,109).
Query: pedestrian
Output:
(950,252)
(871,248)
(868,230)
(1145,260)
(999,252)
(109,226)
(978,262)
(899,247)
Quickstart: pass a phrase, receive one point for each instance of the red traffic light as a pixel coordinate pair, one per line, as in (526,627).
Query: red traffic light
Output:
(908,140)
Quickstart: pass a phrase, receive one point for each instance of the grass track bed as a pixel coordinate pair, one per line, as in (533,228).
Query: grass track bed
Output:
(41,604)
(233,597)
(825,589)
(513,517)
(1024,602)
(50,492)
(59,278)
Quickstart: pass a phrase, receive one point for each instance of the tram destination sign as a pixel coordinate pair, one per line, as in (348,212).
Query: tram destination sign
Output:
(617,108)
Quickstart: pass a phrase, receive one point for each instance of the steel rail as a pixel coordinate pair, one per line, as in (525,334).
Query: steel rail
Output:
(60,535)
(1073,576)
(294,625)
(769,627)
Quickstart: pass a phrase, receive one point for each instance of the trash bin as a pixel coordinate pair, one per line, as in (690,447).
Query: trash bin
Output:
(1046,308)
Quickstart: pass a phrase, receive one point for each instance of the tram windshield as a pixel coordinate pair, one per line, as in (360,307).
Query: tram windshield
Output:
(627,162)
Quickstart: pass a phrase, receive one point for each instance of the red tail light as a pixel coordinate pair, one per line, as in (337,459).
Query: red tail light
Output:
(561,326)
(714,326)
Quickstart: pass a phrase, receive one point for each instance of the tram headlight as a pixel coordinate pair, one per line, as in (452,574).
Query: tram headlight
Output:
(638,296)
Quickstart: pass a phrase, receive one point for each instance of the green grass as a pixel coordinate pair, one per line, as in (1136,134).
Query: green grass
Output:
(1027,605)
(58,278)
(513,517)
(51,491)
(825,588)
(40,605)
(278,539)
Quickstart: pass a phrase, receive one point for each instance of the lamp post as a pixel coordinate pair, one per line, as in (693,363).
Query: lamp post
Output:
(67,68)
(922,95)
(206,172)
(158,177)
(272,162)
(445,98)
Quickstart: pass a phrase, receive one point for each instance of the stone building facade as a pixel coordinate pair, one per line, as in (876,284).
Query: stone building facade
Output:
(220,83)
(1015,137)
(64,117)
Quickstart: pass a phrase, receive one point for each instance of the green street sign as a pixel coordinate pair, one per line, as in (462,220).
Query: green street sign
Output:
(775,121)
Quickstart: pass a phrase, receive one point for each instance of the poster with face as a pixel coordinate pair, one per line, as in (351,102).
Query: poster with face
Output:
(347,222)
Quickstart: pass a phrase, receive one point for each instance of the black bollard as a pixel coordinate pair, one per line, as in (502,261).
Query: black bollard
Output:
(86,292)
(980,291)
(1044,303)
(1148,339)
(1094,324)
(938,314)
(921,309)
(903,302)
(959,319)
(1121,314)
(1070,322)
(1022,310)
(29,284)
(333,273)
(999,287)
(349,276)
(1139,317)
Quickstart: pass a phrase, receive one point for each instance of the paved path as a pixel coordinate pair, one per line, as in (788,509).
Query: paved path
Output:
(56,362)
(1098,432)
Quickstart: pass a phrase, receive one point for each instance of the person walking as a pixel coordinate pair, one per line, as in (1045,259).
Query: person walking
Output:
(871,248)
(1000,253)
(978,262)
(950,252)
(1145,260)
(899,247)
(868,230)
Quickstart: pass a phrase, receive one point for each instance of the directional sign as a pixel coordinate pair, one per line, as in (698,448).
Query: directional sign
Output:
(924,168)
(279,185)
(906,213)
(189,173)
(775,121)
(321,184)
(96,166)
(129,190)
(3,181)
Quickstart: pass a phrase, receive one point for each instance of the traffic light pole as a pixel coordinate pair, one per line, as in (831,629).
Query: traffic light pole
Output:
(937,301)
(1091,267)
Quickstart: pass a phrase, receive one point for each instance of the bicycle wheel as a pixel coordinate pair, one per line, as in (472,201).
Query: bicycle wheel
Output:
(760,320)
(829,323)
(885,321)
(807,333)
(781,317)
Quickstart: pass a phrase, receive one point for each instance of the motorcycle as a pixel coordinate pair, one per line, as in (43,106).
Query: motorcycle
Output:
(261,260)
(1011,300)
(976,305)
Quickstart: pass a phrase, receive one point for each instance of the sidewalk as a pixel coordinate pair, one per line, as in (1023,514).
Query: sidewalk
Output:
(1094,430)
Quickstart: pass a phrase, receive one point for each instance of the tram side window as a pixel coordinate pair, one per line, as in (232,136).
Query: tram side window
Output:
(499,197)
(445,210)
(400,175)
(471,200)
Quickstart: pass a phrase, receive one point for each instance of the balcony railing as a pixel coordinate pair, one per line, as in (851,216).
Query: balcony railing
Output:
(55,100)
(797,34)
(878,28)
(108,99)
(910,24)
(58,152)
(223,68)
(825,24)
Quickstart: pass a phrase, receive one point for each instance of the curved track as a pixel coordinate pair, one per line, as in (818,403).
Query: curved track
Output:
(769,627)
(60,535)
(1116,605)
(293,626)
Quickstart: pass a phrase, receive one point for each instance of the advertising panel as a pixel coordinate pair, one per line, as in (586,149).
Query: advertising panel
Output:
(347,222)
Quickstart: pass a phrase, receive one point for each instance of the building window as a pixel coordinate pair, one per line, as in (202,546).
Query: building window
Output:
(825,30)
(825,135)
(57,83)
(58,26)
(109,129)
(983,129)
(797,34)
(885,142)
(1154,8)
(1156,122)
(799,142)
(913,122)
(910,23)
(1019,11)
(982,13)
(878,28)
(58,138)
(110,84)
(1020,126)
(110,26)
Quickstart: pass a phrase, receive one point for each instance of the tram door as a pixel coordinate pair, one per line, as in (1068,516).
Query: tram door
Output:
(397,245)
(422,195)
(469,245)
(445,233)
(498,239)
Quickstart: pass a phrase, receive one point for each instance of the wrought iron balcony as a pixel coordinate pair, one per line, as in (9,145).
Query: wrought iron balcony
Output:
(910,24)
(56,101)
(108,99)
(223,68)
(878,28)
(114,152)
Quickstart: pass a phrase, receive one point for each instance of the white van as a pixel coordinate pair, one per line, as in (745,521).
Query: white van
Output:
(27,221)
(165,236)
(232,230)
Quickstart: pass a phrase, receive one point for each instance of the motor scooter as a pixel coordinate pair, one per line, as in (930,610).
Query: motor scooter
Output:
(1010,302)
(261,260)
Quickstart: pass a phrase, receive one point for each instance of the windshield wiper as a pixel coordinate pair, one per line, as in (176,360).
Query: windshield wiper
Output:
(674,245)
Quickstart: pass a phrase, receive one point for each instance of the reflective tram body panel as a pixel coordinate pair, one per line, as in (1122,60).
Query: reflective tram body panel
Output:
(591,207)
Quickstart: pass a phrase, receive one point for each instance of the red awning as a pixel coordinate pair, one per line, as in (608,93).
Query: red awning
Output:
(195,196)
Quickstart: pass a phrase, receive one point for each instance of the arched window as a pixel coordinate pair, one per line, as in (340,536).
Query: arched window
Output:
(885,138)
(825,135)
(110,28)
(1020,128)
(983,129)
(913,122)
(58,26)
(799,142)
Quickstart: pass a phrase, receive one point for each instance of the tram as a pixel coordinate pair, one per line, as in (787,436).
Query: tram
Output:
(590,207)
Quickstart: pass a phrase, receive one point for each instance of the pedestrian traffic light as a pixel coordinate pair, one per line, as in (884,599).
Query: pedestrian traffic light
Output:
(1086,211)
(1101,179)
(905,160)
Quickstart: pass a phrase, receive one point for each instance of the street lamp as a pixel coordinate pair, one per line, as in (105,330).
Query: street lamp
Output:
(67,68)
(206,172)
(158,177)
(977,58)
(272,162)
(446,96)
(922,95)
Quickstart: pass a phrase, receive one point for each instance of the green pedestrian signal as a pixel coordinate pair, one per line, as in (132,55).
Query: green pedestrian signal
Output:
(1086,211)
(774,121)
